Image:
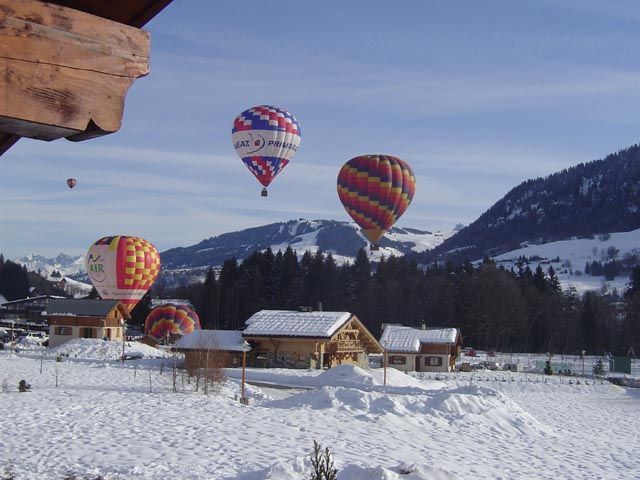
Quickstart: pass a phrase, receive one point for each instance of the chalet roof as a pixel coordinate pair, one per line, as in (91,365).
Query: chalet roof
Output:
(396,338)
(160,302)
(81,307)
(31,299)
(228,340)
(130,12)
(2,299)
(285,323)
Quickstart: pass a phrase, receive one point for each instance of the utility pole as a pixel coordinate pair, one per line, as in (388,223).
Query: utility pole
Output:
(243,399)
(124,327)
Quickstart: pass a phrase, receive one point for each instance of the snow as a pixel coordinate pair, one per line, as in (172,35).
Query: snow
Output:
(2,299)
(95,349)
(574,254)
(397,338)
(295,324)
(228,340)
(103,421)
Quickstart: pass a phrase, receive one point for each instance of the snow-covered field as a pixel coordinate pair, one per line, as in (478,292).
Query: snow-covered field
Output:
(112,421)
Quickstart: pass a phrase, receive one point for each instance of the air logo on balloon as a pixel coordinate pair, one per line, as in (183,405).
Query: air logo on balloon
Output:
(96,268)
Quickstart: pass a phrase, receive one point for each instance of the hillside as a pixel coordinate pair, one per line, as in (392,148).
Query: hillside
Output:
(342,239)
(590,198)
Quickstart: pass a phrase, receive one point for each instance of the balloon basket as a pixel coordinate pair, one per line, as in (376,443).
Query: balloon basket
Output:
(263,193)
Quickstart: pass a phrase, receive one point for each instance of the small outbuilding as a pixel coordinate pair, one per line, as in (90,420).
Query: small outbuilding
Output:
(427,350)
(292,339)
(211,348)
(83,318)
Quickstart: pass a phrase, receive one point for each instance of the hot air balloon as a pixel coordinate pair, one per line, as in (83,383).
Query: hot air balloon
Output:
(171,319)
(123,268)
(376,190)
(71,182)
(266,138)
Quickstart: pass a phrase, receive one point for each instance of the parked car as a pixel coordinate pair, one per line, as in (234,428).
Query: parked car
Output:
(38,337)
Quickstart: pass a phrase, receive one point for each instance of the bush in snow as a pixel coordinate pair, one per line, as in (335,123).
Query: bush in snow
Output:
(598,368)
(322,464)
(547,368)
(23,386)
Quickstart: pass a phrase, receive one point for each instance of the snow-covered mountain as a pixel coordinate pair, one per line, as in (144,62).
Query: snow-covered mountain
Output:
(66,265)
(569,259)
(342,239)
(581,201)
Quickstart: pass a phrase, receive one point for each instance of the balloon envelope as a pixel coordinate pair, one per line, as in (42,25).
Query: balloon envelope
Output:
(266,138)
(171,319)
(71,182)
(123,268)
(375,191)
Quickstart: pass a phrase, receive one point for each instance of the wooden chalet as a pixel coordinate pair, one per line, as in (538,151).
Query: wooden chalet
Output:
(66,65)
(421,350)
(211,348)
(82,318)
(291,339)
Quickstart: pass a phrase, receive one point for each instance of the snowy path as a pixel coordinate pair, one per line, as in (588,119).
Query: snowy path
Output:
(103,421)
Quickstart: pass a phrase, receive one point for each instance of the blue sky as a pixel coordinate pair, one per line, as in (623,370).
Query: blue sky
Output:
(476,96)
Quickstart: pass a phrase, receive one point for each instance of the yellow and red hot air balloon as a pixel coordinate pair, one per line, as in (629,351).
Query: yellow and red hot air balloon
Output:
(123,268)
(375,191)
(171,319)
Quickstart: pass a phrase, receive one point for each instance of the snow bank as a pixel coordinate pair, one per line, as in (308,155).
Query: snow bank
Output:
(96,349)
(300,469)
(461,406)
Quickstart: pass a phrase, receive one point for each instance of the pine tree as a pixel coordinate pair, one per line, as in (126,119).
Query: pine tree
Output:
(598,368)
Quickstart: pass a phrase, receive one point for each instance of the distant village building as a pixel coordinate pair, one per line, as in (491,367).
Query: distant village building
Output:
(428,350)
(26,312)
(83,318)
(215,348)
(161,302)
(292,339)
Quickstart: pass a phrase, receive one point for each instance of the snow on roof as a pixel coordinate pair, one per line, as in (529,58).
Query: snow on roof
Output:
(214,339)
(397,338)
(81,307)
(161,302)
(287,323)
(2,299)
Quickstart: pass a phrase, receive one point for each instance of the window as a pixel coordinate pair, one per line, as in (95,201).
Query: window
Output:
(397,360)
(433,361)
(87,332)
(62,330)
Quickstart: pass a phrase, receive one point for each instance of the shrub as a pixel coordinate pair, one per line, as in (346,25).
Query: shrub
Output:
(23,386)
(547,368)
(598,368)
(322,464)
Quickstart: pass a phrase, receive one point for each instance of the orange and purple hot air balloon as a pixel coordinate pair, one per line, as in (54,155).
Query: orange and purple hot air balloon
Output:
(123,268)
(71,182)
(375,191)
(171,319)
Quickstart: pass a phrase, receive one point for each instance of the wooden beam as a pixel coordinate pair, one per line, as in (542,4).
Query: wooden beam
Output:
(65,73)
(7,141)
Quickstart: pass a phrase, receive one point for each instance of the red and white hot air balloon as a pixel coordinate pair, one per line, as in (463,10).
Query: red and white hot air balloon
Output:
(123,268)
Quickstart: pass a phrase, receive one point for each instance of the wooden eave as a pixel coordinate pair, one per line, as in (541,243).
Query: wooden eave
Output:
(368,339)
(130,12)
(67,65)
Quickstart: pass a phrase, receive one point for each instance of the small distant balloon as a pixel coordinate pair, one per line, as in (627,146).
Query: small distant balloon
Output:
(71,182)
(171,319)
(266,138)
(375,190)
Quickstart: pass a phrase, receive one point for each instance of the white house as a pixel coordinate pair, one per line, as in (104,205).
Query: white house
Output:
(428,350)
